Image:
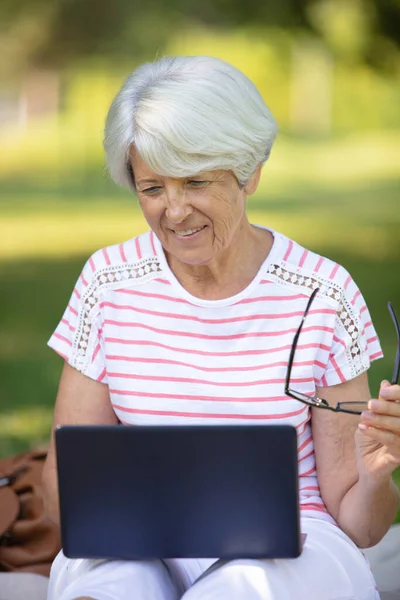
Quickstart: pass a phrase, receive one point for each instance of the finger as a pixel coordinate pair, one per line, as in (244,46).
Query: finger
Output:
(389,392)
(386,438)
(390,423)
(385,407)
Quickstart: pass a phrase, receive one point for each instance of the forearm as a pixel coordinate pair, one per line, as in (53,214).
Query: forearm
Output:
(368,509)
(50,493)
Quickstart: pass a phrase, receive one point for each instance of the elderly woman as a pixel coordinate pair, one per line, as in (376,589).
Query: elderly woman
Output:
(193,323)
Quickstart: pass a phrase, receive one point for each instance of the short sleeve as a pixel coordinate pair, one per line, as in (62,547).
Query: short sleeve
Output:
(78,336)
(355,343)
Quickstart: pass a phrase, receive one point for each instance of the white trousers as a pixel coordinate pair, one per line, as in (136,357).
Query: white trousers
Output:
(330,568)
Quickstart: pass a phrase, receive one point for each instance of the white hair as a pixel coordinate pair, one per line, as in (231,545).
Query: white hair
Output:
(185,115)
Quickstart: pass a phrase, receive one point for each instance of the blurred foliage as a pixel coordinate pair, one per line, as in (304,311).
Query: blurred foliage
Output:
(42,32)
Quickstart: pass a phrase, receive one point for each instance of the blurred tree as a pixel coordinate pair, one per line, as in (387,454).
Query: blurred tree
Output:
(48,33)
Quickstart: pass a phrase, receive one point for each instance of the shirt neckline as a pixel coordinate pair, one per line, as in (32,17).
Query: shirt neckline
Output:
(183,293)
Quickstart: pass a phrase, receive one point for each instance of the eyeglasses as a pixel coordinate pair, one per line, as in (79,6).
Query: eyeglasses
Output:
(354,408)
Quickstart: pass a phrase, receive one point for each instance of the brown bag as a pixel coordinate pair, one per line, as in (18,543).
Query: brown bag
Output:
(29,540)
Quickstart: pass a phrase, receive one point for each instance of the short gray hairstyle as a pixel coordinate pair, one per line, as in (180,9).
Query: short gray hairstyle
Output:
(188,114)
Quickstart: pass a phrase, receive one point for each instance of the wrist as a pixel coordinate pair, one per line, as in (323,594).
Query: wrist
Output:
(375,480)
(369,470)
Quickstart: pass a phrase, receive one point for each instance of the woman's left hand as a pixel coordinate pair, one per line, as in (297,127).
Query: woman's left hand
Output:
(378,435)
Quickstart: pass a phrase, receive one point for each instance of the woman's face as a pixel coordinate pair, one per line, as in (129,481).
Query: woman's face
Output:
(195,218)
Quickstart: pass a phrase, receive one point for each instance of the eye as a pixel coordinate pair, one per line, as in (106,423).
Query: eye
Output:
(197,183)
(151,190)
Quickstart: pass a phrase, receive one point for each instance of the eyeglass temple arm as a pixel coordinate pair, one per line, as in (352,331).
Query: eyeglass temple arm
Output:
(396,368)
(296,337)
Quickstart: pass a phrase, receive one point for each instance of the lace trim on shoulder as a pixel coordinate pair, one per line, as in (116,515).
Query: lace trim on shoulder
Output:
(345,312)
(110,277)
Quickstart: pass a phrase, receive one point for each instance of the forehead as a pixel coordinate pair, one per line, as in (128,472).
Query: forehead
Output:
(142,172)
(139,166)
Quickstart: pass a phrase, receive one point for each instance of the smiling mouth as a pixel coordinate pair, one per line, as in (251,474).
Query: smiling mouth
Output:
(187,232)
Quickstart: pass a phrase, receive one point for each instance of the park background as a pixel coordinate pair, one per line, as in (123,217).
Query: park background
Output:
(328,69)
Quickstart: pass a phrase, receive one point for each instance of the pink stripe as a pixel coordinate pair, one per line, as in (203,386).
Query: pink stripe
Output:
(138,250)
(347,282)
(335,270)
(307,455)
(363,309)
(309,488)
(102,375)
(308,473)
(152,243)
(312,507)
(201,336)
(68,325)
(205,353)
(303,258)
(266,281)
(85,283)
(324,382)
(105,254)
(62,338)
(272,299)
(162,361)
(319,263)
(204,415)
(155,313)
(77,294)
(92,265)
(289,250)
(358,293)
(71,308)
(304,444)
(122,252)
(376,355)
(161,280)
(339,341)
(337,369)
(205,382)
(95,353)
(373,339)
(149,295)
(192,397)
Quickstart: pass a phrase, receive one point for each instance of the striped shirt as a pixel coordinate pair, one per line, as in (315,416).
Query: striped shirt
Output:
(171,358)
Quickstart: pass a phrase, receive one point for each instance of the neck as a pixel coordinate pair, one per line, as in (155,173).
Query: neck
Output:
(231,270)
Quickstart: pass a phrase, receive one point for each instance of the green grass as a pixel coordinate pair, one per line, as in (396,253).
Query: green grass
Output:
(350,214)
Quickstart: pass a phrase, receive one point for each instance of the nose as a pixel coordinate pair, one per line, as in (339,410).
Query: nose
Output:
(178,207)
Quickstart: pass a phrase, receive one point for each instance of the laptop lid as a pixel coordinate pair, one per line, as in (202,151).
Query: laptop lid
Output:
(178,491)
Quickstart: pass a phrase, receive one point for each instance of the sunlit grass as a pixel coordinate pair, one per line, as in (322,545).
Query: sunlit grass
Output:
(16,427)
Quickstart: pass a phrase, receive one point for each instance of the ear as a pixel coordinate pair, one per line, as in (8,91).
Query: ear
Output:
(253,182)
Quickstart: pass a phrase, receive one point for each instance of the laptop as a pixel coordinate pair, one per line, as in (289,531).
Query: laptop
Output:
(143,492)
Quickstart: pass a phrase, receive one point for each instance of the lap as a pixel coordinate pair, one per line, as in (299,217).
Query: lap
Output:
(110,580)
(329,568)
